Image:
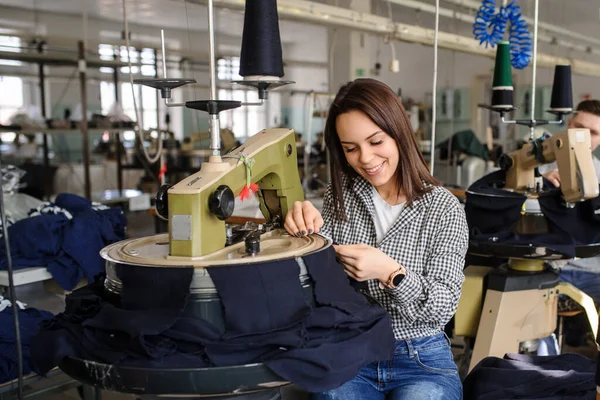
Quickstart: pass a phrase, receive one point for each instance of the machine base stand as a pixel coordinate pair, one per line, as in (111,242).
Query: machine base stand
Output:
(518,307)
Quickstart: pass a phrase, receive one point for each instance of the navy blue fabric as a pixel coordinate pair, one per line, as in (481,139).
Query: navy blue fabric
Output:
(173,286)
(492,218)
(69,249)
(344,331)
(271,287)
(99,326)
(580,222)
(29,323)
(334,336)
(518,376)
(487,214)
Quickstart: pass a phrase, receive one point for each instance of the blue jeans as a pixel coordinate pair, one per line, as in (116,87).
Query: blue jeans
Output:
(420,369)
(587,282)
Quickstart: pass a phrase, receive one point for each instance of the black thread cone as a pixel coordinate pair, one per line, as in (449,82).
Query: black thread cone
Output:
(261,43)
(562,90)
(502,99)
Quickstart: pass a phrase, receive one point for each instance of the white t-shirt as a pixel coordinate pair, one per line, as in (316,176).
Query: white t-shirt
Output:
(385,214)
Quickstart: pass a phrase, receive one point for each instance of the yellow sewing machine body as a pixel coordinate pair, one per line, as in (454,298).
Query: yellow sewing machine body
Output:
(571,149)
(194,230)
(192,142)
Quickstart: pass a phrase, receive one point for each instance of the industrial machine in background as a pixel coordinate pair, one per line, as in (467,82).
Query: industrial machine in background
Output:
(510,302)
(462,159)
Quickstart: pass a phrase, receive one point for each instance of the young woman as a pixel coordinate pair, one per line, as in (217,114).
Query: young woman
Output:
(397,230)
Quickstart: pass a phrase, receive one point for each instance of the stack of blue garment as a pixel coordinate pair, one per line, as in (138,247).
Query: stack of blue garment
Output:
(520,376)
(65,237)
(317,341)
(29,321)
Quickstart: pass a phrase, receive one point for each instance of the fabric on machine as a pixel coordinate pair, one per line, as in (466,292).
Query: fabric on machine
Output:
(316,343)
(98,325)
(518,376)
(492,213)
(66,243)
(344,332)
(29,322)
(271,287)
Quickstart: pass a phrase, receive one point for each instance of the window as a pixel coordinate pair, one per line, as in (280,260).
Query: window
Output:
(10,43)
(244,121)
(10,104)
(228,69)
(146,56)
(146,104)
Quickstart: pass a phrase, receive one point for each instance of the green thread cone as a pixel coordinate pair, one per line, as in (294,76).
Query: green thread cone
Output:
(502,71)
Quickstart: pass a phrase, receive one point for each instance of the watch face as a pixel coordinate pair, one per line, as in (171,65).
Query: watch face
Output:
(397,279)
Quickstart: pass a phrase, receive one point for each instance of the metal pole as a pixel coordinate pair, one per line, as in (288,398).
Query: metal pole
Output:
(84,124)
(118,133)
(158,131)
(164,57)
(533,74)
(157,92)
(211,42)
(47,172)
(215,129)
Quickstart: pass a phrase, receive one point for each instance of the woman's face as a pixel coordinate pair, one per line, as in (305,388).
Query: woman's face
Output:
(370,151)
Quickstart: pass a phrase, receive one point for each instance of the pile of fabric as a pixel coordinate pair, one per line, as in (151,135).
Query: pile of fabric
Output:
(519,376)
(66,237)
(30,320)
(317,343)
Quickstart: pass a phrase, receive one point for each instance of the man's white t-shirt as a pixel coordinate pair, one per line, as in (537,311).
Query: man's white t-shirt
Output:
(545,168)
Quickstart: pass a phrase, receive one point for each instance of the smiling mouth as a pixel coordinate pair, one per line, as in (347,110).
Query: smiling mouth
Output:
(371,171)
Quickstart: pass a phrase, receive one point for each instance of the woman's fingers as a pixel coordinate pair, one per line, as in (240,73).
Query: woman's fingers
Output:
(303,219)
(298,216)
(290,219)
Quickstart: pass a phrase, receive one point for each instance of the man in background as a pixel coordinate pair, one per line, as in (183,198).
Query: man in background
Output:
(582,273)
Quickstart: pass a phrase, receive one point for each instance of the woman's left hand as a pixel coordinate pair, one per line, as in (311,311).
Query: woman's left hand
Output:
(363,262)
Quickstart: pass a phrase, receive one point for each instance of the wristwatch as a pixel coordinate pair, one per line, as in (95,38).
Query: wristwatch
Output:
(394,279)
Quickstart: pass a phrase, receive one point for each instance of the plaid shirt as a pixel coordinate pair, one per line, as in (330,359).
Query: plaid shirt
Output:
(429,239)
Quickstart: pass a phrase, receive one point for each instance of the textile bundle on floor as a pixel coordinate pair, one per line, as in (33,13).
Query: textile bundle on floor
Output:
(318,343)
(65,237)
(29,322)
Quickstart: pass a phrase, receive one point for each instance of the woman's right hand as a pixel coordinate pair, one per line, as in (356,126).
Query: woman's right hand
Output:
(303,219)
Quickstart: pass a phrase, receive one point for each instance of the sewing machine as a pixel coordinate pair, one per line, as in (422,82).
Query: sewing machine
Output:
(199,237)
(198,206)
(504,310)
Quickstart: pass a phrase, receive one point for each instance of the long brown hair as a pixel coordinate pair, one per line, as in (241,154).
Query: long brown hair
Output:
(383,107)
